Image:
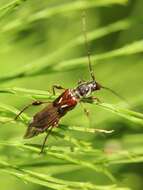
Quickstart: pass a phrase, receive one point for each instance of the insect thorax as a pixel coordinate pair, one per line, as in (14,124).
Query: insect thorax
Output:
(86,88)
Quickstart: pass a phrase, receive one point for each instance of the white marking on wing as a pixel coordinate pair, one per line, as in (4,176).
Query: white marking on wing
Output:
(64,106)
(60,99)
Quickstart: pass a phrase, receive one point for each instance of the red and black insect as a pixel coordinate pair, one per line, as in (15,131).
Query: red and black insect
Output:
(48,118)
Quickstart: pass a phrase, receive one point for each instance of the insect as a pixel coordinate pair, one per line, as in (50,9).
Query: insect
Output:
(49,117)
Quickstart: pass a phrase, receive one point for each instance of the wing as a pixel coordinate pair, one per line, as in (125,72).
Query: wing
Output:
(44,119)
(51,114)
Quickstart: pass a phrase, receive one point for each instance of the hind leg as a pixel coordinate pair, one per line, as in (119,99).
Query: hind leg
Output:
(46,137)
(35,103)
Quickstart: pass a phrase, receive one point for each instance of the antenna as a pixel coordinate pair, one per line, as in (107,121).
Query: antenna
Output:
(87,45)
(116,94)
(89,59)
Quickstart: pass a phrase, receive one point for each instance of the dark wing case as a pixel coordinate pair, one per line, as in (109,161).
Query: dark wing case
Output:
(47,117)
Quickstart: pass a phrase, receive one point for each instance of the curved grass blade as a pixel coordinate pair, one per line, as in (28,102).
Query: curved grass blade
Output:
(133,116)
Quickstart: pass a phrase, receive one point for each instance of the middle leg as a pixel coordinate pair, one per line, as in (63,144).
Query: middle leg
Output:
(57,87)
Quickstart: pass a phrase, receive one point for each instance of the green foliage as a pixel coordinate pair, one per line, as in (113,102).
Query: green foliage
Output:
(42,43)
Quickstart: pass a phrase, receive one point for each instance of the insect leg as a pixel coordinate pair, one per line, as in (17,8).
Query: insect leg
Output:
(86,113)
(85,110)
(57,87)
(46,137)
(80,82)
(35,103)
(90,100)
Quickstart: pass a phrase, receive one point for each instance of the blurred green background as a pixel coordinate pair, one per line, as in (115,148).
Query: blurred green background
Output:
(42,44)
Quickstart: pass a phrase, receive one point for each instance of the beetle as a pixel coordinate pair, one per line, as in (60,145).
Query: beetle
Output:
(49,117)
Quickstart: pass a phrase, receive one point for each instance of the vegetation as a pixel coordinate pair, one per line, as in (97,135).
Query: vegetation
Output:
(42,44)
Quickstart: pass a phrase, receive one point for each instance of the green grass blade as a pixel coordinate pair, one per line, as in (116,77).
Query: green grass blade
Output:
(60,9)
(7,8)
(130,49)
(131,115)
(36,67)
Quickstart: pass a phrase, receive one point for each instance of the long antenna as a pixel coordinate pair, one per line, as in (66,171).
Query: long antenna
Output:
(115,93)
(87,45)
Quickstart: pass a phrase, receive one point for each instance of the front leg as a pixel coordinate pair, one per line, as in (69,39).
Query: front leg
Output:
(81,82)
(90,99)
(86,112)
